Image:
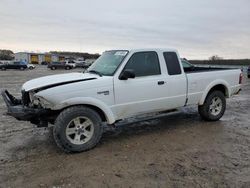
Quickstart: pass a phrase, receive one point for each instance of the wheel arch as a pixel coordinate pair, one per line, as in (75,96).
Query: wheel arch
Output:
(101,108)
(219,85)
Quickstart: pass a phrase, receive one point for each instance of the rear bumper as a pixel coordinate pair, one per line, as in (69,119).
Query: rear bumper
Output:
(235,90)
(16,109)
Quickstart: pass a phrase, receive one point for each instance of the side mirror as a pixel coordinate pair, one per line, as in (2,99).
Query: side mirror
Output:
(127,73)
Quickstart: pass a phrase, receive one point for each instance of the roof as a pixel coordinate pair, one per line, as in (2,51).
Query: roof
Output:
(148,49)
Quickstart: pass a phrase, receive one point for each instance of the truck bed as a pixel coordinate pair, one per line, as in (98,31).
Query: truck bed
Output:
(203,69)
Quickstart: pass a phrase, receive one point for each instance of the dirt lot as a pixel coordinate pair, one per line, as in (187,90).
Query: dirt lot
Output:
(178,150)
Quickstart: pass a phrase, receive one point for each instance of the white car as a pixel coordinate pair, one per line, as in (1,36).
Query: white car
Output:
(71,63)
(31,66)
(121,84)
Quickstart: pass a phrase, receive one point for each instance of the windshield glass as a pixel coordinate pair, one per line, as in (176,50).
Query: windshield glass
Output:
(108,62)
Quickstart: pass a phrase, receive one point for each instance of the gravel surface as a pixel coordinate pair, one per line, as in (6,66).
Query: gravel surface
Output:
(177,150)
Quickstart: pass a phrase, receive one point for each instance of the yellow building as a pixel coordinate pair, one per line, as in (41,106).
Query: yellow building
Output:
(37,58)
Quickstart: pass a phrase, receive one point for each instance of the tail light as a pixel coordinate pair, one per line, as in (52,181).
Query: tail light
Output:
(240,78)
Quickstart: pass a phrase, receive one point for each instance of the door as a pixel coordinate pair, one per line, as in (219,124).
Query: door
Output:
(34,59)
(48,58)
(15,65)
(145,92)
(176,84)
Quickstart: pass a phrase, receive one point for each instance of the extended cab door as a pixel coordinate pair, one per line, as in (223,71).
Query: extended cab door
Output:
(176,84)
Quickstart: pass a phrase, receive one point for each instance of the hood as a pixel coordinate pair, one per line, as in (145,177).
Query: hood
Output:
(55,80)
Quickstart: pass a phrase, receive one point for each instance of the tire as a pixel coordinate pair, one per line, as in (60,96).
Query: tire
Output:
(53,68)
(73,124)
(21,68)
(31,68)
(3,68)
(213,107)
(67,67)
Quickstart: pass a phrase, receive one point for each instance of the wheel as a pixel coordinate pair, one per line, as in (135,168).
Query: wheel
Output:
(31,68)
(53,68)
(213,107)
(77,129)
(67,67)
(3,68)
(21,68)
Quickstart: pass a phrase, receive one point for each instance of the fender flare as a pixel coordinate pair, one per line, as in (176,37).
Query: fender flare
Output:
(88,101)
(213,84)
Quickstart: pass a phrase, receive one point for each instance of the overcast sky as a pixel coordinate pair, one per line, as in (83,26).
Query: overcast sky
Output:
(197,28)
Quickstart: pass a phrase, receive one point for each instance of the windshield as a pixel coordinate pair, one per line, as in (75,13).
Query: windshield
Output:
(108,62)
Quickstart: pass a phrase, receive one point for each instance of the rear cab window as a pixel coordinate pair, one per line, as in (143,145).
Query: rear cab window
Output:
(172,62)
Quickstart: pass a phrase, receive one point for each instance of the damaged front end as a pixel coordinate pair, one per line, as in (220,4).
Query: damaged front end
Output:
(21,109)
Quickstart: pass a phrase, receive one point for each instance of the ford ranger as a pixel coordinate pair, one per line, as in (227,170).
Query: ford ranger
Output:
(120,84)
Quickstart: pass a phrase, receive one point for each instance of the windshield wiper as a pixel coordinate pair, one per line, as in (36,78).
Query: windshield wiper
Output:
(95,72)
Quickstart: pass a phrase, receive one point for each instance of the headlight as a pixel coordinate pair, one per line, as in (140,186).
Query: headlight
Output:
(42,101)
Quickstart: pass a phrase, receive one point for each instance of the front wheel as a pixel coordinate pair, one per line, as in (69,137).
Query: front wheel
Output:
(77,129)
(213,107)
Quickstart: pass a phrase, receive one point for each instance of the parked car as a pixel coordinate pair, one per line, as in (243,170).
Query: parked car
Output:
(186,65)
(120,84)
(248,72)
(82,64)
(71,62)
(44,63)
(31,66)
(60,65)
(13,65)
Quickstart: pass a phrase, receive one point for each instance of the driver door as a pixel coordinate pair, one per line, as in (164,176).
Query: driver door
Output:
(145,92)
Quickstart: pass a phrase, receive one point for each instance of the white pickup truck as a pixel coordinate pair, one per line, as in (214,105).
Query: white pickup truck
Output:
(121,84)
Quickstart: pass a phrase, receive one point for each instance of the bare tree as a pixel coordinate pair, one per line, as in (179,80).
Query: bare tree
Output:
(215,58)
(6,55)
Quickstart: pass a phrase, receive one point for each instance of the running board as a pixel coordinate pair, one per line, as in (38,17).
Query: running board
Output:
(144,117)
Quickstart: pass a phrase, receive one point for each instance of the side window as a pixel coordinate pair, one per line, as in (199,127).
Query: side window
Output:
(144,64)
(172,63)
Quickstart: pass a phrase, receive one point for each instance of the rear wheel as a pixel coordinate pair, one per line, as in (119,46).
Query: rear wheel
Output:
(77,129)
(3,68)
(21,68)
(30,68)
(213,107)
(53,68)
(67,67)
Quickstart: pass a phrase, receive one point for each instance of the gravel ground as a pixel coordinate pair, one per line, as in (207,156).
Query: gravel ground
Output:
(177,150)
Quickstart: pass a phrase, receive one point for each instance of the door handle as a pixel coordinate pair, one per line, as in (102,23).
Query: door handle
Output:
(161,82)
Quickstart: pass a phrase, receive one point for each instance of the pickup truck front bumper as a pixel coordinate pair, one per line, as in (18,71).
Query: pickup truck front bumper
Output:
(15,108)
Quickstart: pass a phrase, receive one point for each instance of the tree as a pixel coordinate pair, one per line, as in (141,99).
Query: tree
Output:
(215,58)
(6,55)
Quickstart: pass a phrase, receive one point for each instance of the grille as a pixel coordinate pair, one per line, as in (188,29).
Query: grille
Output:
(25,98)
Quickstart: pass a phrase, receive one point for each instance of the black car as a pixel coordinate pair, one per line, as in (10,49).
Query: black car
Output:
(13,65)
(44,63)
(59,65)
